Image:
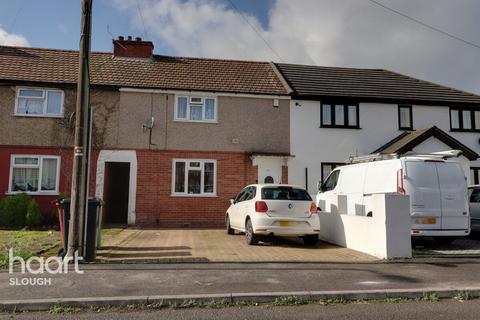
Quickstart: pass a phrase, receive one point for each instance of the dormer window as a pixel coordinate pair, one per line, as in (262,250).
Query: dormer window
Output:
(39,102)
(198,109)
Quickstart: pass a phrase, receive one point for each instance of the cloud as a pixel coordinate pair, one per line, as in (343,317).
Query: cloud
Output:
(62,28)
(324,32)
(11,39)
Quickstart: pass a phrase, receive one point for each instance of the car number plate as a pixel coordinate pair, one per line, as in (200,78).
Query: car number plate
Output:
(425,221)
(284,223)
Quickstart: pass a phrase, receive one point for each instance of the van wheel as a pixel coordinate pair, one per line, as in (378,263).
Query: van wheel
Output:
(229,228)
(250,237)
(444,240)
(310,240)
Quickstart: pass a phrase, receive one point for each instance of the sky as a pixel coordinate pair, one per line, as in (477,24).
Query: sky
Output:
(344,33)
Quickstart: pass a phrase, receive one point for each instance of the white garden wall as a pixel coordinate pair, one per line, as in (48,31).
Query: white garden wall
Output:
(384,235)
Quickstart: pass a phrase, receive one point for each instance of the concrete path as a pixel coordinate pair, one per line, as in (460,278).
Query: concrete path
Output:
(187,245)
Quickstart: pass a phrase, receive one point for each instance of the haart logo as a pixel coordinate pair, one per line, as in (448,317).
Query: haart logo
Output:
(38,265)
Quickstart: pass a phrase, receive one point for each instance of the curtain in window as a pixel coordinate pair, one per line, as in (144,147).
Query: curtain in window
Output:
(352,116)
(49,174)
(30,106)
(455,119)
(182,108)
(339,115)
(208,177)
(467,119)
(194,181)
(404,118)
(54,102)
(180,177)
(196,112)
(326,114)
(25,179)
(209,109)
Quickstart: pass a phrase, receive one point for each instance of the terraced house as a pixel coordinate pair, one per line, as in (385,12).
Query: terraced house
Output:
(337,113)
(173,138)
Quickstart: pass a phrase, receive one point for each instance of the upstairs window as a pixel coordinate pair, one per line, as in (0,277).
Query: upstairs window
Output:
(338,115)
(464,119)
(34,174)
(405,118)
(39,102)
(202,109)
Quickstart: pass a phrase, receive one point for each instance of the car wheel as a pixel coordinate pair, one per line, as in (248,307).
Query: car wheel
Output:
(310,240)
(229,228)
(444,240)
(250,237)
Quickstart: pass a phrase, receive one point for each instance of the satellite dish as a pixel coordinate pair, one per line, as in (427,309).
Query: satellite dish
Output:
(148,124)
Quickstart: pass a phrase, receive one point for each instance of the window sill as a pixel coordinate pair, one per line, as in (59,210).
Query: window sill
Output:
(464,130)
(12,193)
(59,116)
(406,129)
(339,127)
(182,195)
(197,121)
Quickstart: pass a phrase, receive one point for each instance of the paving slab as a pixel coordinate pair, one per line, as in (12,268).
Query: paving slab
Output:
(214,245)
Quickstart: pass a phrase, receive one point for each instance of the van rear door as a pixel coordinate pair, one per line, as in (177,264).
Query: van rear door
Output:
(453,190)
(421,183)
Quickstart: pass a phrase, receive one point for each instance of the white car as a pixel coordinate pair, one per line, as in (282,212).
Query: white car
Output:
(273,209)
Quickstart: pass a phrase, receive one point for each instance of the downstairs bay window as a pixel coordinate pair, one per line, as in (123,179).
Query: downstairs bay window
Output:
(34,174)
(194,177)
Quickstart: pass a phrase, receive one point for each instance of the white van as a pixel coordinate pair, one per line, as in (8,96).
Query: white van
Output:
(436,185)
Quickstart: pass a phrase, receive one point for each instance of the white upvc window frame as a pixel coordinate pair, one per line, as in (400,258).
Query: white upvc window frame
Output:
(189,98)
(202,179)
(45,102)
(38,166)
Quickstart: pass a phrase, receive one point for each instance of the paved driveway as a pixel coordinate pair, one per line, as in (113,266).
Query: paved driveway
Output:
(461,247)
(187,245)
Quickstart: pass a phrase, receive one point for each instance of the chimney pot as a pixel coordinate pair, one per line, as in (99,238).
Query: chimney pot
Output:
(138,39)
(121,38)
(129,38)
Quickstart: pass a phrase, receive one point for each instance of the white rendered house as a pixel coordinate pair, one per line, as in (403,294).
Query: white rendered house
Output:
(336,113)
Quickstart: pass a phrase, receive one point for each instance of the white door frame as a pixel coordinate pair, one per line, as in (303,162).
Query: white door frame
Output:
(119,156)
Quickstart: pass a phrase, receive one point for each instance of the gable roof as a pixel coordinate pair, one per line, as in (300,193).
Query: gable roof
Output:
(313,82)
(161,72)
(410,139)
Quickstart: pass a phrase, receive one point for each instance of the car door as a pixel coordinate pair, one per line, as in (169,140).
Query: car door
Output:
(244,208)
(454,197)
(475,208)
(328,192)
(234,212)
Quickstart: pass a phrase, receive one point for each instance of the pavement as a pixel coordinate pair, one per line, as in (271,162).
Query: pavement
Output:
(115,284)
(180,265)
(465,310)
(214,245)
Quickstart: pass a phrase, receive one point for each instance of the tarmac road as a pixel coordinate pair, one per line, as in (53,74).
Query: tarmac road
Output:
(448,309)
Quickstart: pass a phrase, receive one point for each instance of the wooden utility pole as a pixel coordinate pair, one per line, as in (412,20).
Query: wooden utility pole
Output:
(80,161)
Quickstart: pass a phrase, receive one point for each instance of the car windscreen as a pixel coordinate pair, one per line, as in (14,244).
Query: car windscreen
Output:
(285,193)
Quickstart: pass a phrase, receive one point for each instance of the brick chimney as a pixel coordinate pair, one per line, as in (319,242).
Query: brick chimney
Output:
(132,48)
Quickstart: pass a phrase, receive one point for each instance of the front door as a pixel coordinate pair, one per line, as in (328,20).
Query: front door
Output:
(116,192)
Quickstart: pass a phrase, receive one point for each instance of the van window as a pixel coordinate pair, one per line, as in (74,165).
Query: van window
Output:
(285,193)
(475,195)
(422,174)
(331,182)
